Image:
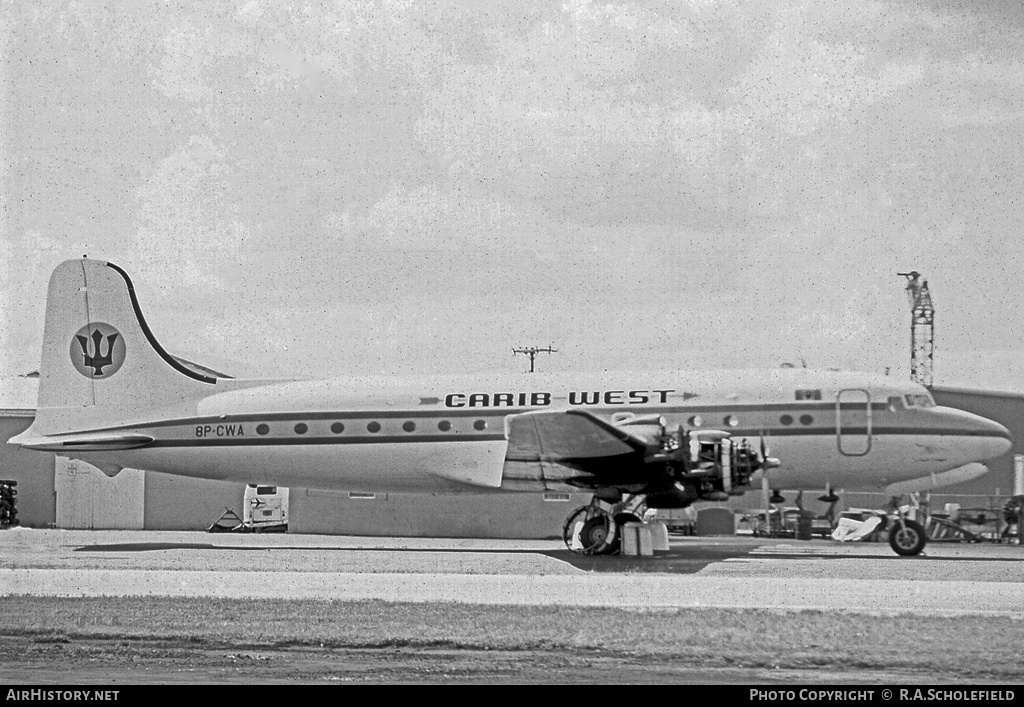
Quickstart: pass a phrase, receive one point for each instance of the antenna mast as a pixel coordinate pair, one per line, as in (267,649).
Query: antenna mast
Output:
(532,352)
(922,328)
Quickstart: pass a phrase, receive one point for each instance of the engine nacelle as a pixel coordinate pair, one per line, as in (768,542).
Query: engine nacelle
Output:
(681,495)
(713,464)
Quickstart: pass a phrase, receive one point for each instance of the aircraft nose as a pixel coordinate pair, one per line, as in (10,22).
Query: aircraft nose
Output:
(987,438)
(999,440)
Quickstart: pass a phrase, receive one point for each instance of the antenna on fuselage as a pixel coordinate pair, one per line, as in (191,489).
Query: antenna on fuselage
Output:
(532,352)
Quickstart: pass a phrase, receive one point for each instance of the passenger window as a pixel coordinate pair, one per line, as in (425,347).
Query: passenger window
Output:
(808,395)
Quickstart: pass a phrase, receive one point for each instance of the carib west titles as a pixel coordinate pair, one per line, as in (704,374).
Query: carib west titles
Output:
(574,397)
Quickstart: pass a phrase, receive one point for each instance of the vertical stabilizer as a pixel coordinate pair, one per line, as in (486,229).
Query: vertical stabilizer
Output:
(101,364)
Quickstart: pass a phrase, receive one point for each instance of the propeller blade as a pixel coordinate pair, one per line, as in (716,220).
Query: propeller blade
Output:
(767,461)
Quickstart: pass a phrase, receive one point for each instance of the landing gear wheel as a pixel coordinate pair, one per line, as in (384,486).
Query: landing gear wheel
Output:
(598,535)
(590,531)
(907,537)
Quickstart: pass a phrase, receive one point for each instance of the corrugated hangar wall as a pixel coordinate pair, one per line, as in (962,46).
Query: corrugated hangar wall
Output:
(526,515)
(177,503)
(36,500)
(1005,408)
(87,501)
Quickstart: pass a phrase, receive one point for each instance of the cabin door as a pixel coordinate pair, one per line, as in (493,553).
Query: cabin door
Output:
(853,422)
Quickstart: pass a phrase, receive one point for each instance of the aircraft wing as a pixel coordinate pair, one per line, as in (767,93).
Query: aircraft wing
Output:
(572,437)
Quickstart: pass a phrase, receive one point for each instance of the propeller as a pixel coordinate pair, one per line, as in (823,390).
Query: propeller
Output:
(767,461)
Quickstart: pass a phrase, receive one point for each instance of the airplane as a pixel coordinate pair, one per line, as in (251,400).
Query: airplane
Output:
(112,396)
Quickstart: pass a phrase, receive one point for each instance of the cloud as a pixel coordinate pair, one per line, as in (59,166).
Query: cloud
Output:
(701,181)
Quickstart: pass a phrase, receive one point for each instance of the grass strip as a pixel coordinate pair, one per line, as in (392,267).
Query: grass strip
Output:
(973,646)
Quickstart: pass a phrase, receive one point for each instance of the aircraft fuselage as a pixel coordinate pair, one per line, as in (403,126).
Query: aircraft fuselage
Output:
(850,430)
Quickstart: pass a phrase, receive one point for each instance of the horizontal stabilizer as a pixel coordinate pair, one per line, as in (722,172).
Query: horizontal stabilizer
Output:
(86,442)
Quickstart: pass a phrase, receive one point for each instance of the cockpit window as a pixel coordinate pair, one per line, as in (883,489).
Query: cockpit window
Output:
(921,400)
(895,403)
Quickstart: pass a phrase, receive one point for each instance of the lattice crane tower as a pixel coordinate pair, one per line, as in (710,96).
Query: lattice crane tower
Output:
(922,328)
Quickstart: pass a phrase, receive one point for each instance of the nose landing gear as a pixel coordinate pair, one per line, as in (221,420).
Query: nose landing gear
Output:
(907,537)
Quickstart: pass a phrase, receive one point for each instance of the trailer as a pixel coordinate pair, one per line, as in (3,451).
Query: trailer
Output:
(265,511)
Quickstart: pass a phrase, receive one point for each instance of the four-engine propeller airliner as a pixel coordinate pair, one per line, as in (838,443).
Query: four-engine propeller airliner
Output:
(110,395)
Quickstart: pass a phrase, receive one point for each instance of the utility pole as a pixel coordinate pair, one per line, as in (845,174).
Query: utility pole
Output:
(532,352)
(922,328)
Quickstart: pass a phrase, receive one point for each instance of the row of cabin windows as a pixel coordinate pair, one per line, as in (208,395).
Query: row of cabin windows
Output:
(733,421)
(695,421)
(337,428)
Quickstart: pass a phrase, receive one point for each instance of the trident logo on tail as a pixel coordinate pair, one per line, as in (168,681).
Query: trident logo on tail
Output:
(87,351)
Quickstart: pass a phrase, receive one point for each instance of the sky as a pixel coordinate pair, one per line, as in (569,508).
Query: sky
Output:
(320,189)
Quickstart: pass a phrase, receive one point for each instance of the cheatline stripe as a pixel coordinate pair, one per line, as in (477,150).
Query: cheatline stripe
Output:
(291,441)
(886,430)
(441,413)
(363,438)
(830,430)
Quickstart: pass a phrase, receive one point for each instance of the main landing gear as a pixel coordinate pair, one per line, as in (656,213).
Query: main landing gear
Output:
(672,471)
(595,529)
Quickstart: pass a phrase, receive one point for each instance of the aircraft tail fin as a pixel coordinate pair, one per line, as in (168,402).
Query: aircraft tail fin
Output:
(101,364)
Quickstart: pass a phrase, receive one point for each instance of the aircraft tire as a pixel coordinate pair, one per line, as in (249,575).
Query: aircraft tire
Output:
(598,535)
(907,538)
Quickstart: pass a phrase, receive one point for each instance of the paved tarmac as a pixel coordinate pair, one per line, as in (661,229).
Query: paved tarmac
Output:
(736,572)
